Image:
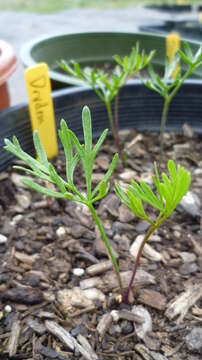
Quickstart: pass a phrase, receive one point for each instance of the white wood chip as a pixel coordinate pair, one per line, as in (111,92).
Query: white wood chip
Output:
(66,338)
(181,304)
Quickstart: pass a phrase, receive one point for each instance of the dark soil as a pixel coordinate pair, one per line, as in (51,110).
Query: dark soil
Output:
(43,241)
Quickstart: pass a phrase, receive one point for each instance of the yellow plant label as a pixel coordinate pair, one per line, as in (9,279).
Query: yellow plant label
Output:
(41,106)
(172,46)
(200,16)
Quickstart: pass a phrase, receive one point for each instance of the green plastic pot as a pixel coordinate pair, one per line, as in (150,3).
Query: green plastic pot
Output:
(90,49)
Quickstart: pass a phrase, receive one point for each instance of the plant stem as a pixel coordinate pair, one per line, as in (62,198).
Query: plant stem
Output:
(163,124)
(180,83)
(107,244)
(167,102)
(116,112)
(137,260)
(115,130)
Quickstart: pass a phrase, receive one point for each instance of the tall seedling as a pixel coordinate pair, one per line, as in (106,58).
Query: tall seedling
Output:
(168,88)
(170,190)
(75,152)
(107,85)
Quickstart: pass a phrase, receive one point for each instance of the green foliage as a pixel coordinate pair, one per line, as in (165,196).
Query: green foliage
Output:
(86,153)
(165,86)
(107,85)
(135,62)
(66,189)
(170,190)
(168,88)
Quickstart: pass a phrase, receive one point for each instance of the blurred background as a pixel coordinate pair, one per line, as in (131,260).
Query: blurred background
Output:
(23,21)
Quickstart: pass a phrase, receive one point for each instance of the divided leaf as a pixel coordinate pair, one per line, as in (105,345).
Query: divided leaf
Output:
(170,191)
(166,86)
(41,189)
(74,152)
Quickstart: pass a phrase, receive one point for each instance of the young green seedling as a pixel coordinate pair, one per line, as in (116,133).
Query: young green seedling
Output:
(66,189)
(170,190)
(168,88)
(107,85)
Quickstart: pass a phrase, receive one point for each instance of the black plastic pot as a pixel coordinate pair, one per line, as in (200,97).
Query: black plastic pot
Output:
(90,49)
(138,108)
(191,30)
(170,8)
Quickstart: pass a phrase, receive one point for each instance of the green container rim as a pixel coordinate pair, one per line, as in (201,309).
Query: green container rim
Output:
(28,59)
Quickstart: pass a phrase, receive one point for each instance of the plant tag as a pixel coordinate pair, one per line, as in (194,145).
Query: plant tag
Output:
(172,46)
(41,106)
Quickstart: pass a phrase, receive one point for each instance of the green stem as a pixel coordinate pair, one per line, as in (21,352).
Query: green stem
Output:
(137,260)
(163,124)
(110,116)
(179,84)
(116,112)
(106,242)
(166,107)
(115,130)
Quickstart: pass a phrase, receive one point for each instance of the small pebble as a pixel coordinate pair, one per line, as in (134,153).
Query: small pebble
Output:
(17,180)
(190,203)
(60,232)
(125,215)
(188,268)
(127,327)
(16,219)
(24,200)
(177,234)
(8,309)
(194,340)
(3,239)
(77,231)
(142,226)
(115,329)
(78,271)
(146,326)
(127,175)
(94,294)
(187,257)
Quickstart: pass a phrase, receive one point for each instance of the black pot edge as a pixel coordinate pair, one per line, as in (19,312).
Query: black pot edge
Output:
(170,8)
(16,122)
(159,29)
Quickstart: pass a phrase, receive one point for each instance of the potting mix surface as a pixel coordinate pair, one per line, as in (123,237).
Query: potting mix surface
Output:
(59,295)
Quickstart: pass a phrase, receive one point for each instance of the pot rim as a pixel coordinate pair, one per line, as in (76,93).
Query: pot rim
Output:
(28,60)
(8,61)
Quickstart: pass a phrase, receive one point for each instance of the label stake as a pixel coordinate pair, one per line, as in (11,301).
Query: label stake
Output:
(41,106)
(172,46)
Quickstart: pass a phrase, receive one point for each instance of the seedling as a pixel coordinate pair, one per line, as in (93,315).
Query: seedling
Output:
(170,190)
(106,85)
(168,88)
(66,189)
